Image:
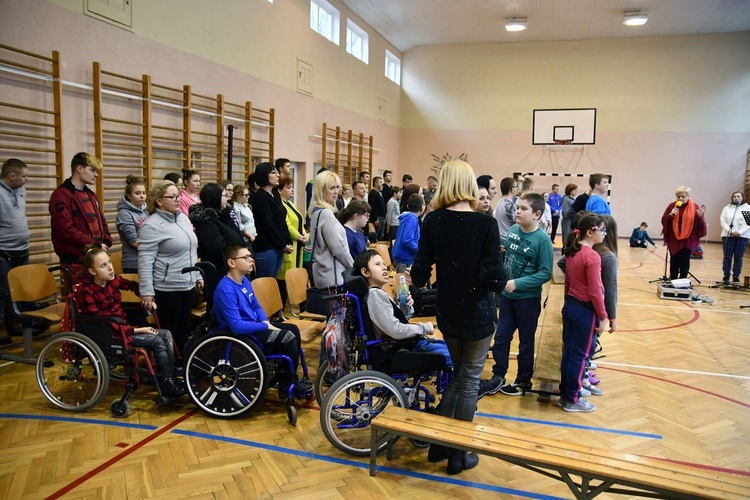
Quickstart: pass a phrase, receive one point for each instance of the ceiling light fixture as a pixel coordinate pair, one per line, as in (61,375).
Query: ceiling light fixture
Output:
(635,18)
(516,24)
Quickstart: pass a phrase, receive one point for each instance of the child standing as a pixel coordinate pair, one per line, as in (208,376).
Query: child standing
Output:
(100,296)
(584,309)
(407,239)
(528,265)
(392,211)
(131,214)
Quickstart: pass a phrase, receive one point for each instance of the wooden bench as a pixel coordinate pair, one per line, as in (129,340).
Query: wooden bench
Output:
(600,470)
(549,340)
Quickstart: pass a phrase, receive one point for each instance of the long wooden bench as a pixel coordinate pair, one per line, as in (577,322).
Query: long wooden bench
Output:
(586,470)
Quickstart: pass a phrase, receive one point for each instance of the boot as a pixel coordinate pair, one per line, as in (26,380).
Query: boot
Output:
(459,461)
(171,389)
(437,453)
(13,326)
(4,337)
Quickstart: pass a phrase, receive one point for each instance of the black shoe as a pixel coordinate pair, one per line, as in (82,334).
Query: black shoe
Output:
(735,283)
(4,337)
(303,387)
(13,326)
(516,388)
(459,461)
(490,386)
(171,389)
(437,453)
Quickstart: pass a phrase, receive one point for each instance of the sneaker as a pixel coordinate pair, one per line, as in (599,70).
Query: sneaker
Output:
(561,401)
(593,391)
(593,366)
(585,392)
(582,406)
(592,378)
(735,283)
(515,389)
(490,386)
(303,387)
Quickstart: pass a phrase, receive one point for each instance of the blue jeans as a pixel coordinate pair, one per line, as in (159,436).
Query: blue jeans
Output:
(460,397)
(521,315)
(578,333)
(268,263)
(734,249)
(434,345)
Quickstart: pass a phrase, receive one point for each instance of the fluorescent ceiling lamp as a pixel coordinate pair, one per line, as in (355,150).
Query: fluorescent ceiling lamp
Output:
(516,24)
(636,18)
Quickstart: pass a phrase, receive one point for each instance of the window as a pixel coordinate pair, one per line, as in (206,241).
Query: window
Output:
(324,19)
(357,41)
(392,67)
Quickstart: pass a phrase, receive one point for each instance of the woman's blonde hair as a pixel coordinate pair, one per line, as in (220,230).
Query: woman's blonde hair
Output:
(157,192)
(682,189)
(457,183)
(323,181)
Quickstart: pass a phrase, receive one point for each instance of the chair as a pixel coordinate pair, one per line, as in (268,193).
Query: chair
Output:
(297,280)
(116,259)
(268,295)
(33,283)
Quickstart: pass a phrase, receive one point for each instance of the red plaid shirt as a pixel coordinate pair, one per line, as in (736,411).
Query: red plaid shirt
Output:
(96,300)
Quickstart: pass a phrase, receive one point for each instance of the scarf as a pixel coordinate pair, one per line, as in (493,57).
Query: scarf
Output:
(683,222)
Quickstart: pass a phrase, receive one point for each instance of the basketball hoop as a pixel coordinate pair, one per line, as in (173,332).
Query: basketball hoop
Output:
(563,142)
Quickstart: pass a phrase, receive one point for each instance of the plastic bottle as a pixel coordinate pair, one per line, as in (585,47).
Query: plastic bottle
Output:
(403,294)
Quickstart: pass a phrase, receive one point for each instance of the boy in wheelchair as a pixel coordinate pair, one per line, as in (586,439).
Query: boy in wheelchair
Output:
(387,318)
(100,296)
(237,309)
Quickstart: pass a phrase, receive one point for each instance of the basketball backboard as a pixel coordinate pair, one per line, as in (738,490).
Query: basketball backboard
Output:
(564,126)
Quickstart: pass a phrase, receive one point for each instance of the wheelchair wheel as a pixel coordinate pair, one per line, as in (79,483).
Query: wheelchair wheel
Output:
(119,408)
(225,374)
(72,372)
(351,403)
(291,413)
(322,384)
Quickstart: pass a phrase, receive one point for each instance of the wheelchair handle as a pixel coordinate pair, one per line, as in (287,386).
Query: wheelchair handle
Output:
(200,267)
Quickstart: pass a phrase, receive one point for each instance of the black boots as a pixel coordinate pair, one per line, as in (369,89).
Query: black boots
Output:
(437,453)
(172,389)
(459,461)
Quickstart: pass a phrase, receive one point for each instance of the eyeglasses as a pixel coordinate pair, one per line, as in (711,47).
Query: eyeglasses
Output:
(247,257)
(600,229)
(224,195)
(174,197)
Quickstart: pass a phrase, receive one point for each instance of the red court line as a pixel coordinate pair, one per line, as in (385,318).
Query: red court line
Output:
(696,316)
(702,466)
(746,405)
(117,458)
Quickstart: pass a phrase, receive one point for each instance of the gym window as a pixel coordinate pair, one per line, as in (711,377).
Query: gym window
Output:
(357,41)
(392,67)
(324,19)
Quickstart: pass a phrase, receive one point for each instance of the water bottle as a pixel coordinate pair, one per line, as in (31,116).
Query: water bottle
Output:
(403,294)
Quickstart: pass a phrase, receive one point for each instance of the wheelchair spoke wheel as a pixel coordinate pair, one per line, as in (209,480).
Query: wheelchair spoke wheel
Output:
(72,372)
(323,383)
(226,375)
(351,403)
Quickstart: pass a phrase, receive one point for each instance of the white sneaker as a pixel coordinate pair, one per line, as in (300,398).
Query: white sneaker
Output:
(592,389)
(585,392)
(582,406)
(593,366)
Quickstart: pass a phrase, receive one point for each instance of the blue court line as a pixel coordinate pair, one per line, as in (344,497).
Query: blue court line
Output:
(360,465)
(112,423)
(572,426)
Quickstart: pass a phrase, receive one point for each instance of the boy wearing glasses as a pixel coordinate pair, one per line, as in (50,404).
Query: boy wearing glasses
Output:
(528,266)
(237,309)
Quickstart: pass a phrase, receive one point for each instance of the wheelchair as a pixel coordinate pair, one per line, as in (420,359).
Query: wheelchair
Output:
(74,368)
(226,374)
(379,373)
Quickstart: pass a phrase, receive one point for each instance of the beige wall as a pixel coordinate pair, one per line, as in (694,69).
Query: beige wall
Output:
(670,111)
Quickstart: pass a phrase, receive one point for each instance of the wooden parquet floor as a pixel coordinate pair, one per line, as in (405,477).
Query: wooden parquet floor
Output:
(677,386)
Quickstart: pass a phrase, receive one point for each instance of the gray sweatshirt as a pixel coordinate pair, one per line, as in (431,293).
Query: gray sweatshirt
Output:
(380,306)
(129,219)
(330,249)
(14,229)
(167,244)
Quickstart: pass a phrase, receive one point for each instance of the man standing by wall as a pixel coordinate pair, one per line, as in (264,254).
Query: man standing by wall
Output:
(14,237)
(555,205)
(377,214)
(77,218)
(387,191)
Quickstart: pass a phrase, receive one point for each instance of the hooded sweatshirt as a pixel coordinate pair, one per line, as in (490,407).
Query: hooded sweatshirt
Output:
(407,239)
(129,220)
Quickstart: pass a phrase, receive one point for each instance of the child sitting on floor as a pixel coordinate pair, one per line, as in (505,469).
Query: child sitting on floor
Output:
(387,318)
(100,296)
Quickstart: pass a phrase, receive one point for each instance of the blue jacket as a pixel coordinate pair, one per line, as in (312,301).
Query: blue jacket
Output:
(555,204)
(407,239)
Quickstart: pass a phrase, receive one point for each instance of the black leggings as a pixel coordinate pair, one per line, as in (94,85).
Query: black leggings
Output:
(173,309)
(679,267)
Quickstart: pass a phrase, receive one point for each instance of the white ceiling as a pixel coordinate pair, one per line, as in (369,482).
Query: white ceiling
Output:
(410,23)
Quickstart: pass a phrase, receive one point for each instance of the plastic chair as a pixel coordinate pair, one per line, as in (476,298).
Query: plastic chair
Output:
(116,259)
(33,283)
(297,281)
(268,295)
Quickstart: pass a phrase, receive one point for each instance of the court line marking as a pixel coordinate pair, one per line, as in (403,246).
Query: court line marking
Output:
(366,466)
(136,446)
(111,423)
(605,364)
(702,309)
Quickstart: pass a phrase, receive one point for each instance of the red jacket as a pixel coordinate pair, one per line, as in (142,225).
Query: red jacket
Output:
(70,231)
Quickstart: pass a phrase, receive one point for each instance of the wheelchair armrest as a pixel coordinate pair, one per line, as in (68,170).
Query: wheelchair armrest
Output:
(201,267)
(100,319)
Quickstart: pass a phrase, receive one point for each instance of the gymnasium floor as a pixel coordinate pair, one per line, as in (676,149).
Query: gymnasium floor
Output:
(675,375)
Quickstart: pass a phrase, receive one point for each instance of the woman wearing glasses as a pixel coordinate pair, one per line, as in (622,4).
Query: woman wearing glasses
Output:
(273,240)
(214,229)
(167,245)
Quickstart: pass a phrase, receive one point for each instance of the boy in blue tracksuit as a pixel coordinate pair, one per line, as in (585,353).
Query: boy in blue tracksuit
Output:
(407,239)
(528,266)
